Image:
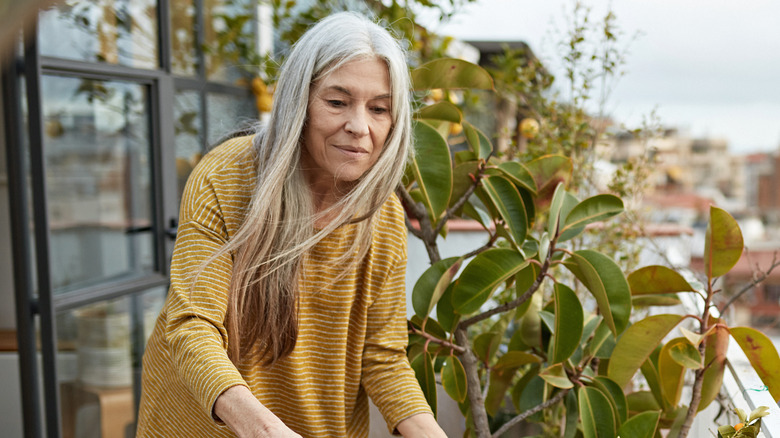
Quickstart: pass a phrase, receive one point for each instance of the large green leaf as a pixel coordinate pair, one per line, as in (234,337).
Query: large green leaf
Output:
(604,279)
(723,243)
(641,425)
(655,300)
(519,175)
(657,280)
(636,344)
(615,395)
(519,387)
(671,373)
(568,323)
(572,415)
(451,73)
(432,169)
(453,379)
(556,376)
(716,347)
(762,355)
(445,313)
(509,204)
(641,401)
(423,369)
(653,378)
(486,345)
(534,393)
(594,209)
(478,142)
(432,284)
(482,276)
(598,418)
(443,110)
(548,172)
(556,204)
(515,359)
(462,179)
(531,324)
(686,355)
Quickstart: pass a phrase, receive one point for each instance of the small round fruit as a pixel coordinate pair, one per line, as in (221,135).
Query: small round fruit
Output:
(456,128)
(529,128)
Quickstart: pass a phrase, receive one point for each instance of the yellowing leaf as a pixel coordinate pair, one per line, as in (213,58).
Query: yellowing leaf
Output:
(723,243)
(762,355)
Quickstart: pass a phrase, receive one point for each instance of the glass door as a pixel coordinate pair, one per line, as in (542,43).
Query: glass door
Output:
(117,101)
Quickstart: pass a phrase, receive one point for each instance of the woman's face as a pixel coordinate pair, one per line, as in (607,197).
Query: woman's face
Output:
(348,122)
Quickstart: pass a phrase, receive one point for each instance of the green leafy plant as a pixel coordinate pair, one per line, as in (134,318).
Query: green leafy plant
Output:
(748,426)
(504,321)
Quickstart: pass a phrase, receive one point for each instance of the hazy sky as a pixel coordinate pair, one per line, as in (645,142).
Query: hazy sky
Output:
(709,67)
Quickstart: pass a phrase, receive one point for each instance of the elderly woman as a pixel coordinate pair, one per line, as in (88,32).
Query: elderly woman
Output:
(287,304)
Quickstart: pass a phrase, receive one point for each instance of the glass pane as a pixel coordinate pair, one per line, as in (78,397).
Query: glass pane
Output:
(112,31)
(98,180)
(99,349)
(227,114)
(188,123)
(230,38)
(183,38)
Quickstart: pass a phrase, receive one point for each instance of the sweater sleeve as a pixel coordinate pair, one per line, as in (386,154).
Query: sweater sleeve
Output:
(195,331)
(387,376)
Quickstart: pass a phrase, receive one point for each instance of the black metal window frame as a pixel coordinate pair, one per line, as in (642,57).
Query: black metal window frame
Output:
(36,306)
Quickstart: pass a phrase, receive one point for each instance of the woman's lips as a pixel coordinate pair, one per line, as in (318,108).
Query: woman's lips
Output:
(352,151)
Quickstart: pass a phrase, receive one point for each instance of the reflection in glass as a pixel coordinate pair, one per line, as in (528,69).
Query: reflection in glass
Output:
(229,38)
(98,180)
(99,349)
(112,31)
(227,113)
(188,124)
(184,59)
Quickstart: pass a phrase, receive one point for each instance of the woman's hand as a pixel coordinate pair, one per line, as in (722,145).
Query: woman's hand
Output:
(247,417)
(421,426)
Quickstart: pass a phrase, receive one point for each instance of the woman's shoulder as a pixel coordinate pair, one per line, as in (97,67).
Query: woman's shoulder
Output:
(234,152)
(224,175)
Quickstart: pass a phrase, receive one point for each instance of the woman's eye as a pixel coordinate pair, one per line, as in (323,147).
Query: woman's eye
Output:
(336,103)
(379,110)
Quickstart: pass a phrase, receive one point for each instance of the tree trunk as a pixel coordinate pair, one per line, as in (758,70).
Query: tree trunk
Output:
(474,390)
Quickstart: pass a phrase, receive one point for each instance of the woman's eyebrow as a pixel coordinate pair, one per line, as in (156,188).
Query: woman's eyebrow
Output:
(346,91)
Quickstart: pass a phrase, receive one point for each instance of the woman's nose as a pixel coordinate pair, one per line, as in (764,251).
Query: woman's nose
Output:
(357,122)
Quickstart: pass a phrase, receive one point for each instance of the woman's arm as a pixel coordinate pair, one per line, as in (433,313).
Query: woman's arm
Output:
(247,417)
(421,426)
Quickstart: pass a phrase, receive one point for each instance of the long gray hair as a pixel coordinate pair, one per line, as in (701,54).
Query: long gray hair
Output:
(279,230)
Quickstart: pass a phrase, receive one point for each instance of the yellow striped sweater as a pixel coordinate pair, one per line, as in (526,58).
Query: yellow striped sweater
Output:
(352,335)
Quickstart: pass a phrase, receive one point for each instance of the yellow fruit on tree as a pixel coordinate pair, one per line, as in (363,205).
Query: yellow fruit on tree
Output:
(258,86)
(456,128)
(739,426)
(437,94)
(264,102)
(529,128)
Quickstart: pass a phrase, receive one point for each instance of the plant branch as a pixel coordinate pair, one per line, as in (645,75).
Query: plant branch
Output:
(758,278)
(425,233)
(471,367)
(430,338)
(698,380)
(511,304)
(483,248)
(462,200)
(508,425)
(417,233)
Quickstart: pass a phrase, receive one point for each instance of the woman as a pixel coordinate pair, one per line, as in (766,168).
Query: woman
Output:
(287,303)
